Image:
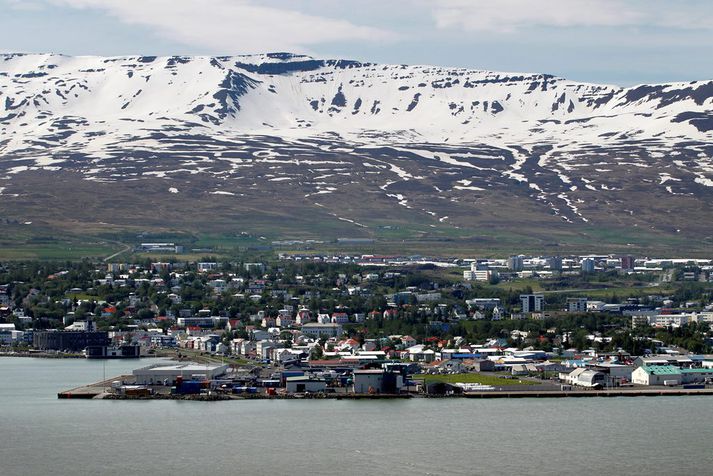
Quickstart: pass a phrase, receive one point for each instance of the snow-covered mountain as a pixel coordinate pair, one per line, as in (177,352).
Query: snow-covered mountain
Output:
(442,143)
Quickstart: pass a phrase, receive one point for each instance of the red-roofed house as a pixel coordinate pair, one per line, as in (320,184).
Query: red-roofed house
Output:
(391,313)
(408,341)
(340,318)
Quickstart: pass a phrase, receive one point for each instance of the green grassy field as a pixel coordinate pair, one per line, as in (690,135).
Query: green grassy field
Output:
(484,379)
(18,242)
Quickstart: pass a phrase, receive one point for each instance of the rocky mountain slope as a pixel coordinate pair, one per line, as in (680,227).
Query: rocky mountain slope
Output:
(292,146)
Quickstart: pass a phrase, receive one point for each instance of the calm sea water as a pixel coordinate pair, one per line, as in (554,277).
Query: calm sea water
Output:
(41,435)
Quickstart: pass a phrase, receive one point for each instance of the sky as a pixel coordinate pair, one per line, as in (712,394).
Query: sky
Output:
(623,42)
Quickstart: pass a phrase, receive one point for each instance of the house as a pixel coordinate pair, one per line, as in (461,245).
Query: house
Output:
(371,344)
(284,320)
(304,316)
(408,341)
(287,355)
(498,314)
(348,345)
(262,348)
(269,322)
(340,318)
(418,353)
(391,313)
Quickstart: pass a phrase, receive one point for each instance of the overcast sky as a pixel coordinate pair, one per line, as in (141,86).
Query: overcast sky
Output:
(621,42)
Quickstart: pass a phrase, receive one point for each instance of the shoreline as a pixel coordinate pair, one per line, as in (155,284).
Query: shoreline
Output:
(99,390)
(48,355)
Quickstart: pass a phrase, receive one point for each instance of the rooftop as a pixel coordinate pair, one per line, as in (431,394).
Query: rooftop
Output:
(186,367)
(661,369)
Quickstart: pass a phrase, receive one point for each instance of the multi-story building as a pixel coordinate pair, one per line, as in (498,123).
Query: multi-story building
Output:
(587,265)
(532,302)
(74,341)
(576,304)
(322,330)
(516,263)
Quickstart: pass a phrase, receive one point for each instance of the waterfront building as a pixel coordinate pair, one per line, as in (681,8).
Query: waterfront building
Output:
(74,341)
(160,373)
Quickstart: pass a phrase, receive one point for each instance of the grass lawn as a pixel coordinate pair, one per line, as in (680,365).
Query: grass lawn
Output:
(484,379)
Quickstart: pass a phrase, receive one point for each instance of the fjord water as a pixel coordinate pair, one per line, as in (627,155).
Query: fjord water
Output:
(44,435)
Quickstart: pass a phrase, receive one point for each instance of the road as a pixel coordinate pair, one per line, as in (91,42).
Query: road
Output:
(126,248)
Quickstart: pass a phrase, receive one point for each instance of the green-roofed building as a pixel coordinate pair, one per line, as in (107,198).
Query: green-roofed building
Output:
(670,375)
(657,375)
(697,375)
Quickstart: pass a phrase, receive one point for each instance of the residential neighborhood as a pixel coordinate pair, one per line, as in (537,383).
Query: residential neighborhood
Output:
(400,325)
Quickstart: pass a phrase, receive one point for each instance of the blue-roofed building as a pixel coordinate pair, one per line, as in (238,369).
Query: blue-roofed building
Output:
(466,356)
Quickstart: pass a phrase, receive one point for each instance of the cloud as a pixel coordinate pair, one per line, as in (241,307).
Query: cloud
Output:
(232,26)
(23,5)
(513,15)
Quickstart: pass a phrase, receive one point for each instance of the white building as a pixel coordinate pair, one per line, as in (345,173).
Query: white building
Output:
(577,304)
(160,373)
(532,302)
(657,375)
(480,275)
(322,330)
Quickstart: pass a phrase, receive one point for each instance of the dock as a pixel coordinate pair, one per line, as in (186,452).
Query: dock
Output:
(102,389)
(635,392)
(93,390)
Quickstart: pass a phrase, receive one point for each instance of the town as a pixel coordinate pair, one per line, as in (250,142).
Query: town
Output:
(367,325)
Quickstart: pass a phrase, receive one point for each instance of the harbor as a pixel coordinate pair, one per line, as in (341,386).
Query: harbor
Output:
(622,426)
(137,386)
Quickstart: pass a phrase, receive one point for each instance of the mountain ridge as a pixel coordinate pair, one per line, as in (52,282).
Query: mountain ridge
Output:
(433,148)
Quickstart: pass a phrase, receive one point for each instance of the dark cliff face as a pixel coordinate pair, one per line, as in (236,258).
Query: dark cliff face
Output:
(232,88)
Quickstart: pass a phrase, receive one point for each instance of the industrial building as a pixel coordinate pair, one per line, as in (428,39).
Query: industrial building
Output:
(670,375)
(74,341)
(377,381)
(113,352)
(162,373)
(304,383)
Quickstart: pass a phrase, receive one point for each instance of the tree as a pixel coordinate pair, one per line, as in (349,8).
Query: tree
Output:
(316,353)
